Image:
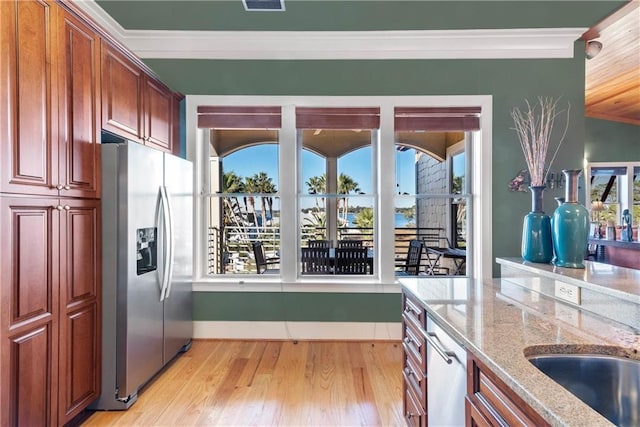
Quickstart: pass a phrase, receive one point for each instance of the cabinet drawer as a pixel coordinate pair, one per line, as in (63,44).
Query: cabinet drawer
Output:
(415,377)
(414,412)
(413,311)
(496,401)
(414,344)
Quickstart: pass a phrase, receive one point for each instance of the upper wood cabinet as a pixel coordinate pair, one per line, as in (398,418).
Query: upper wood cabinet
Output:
(135,105)
(49,123)
(28,98)
(79,108)
(158,115)
(122,82)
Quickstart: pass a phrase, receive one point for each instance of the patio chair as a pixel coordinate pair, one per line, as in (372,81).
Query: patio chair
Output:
(350,243)
(351,261)
(316,261)
(262,262)
(414,257)
(319,243)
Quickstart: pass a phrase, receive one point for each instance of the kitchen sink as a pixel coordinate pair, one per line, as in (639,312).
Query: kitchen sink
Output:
(608,384)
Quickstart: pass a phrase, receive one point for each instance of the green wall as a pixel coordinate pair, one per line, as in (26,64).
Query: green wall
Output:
(297,306)
(508,81)
(607,141)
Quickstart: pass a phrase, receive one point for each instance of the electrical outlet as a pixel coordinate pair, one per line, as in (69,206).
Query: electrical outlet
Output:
(568,292)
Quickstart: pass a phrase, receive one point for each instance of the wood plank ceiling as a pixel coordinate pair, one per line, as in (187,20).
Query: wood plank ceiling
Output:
(612,88)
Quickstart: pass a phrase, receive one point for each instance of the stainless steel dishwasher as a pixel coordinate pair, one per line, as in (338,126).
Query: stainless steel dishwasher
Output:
(446,378)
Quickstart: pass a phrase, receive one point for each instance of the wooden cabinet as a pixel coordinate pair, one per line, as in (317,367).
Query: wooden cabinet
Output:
(79,108)
(121,94)
(49,125)
(414,366)
(49,237)
(29,296)
(28,98)
(134,105)
(490,402)
(50,340)
(80,279)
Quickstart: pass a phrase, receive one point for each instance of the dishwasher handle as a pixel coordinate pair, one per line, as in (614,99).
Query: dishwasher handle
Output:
(447,355)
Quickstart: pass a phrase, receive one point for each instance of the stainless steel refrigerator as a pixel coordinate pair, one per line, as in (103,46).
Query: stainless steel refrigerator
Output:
(147,198)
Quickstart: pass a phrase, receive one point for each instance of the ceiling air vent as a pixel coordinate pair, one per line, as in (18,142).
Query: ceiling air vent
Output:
(263,5)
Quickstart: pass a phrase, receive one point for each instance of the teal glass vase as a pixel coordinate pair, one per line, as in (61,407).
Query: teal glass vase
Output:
(536,230)
(570,229)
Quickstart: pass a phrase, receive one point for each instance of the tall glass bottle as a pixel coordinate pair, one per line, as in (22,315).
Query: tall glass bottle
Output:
(570,225)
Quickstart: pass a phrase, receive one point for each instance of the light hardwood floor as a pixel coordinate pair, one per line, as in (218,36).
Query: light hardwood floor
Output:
(264,383)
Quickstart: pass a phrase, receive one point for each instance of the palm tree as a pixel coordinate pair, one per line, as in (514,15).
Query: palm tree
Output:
(232,183)
(364,219)
(346,185)
(251,188)
(262,183)
(317,185)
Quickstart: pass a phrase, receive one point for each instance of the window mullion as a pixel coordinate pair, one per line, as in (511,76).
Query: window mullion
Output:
(386,180)
(289,169)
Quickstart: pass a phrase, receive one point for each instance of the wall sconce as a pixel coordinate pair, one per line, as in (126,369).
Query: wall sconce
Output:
(593,48)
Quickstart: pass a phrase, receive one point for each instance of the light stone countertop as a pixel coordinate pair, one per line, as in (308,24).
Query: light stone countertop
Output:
(499,321)
(620,282)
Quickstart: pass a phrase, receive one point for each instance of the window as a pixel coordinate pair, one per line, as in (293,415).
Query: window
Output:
(431,185)
(337,194)
(328,174)
(617,186)
(243,204)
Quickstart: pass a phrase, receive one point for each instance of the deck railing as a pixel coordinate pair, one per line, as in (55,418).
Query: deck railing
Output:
(230,248)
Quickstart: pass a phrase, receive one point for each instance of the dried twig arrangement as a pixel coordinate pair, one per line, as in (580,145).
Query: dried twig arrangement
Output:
(534,128)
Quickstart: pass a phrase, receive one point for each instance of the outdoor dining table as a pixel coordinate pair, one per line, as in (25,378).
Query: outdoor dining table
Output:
(459,257)
(332,256)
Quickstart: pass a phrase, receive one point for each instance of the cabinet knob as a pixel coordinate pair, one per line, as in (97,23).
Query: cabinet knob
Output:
(409,415)
(407,371)
(59,187)
(59,207)
(67,207)
(67,187)
(407,340)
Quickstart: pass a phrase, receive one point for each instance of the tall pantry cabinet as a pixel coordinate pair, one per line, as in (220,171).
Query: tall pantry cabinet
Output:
(49,214)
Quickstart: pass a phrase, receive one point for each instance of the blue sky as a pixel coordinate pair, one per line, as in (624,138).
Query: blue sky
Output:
(357,164)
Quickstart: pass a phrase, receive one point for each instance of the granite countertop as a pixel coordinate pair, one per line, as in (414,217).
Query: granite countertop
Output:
(499,322)
(621,282)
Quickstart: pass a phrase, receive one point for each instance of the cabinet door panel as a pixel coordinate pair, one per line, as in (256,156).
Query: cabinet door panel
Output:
(121,95)
(80,307)
(32,390)
(79,114)
(81,269)
(28,253)
(28,123)
(159,114)
(79,360)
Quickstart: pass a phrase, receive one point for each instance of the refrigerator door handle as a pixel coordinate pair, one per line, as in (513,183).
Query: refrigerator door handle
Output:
(166,221)
(171,244)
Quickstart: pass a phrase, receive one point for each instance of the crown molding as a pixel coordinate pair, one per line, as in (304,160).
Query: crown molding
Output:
(294,45)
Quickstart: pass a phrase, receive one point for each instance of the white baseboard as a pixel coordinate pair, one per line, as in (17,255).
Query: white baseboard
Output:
(375,331)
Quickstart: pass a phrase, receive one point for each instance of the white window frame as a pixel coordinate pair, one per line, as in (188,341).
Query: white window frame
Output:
(385,280)
(624,183)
